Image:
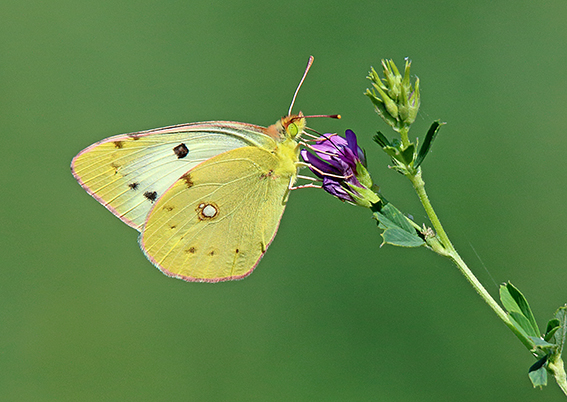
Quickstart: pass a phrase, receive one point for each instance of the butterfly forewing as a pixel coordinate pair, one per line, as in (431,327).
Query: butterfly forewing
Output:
(129,173)
(216,222)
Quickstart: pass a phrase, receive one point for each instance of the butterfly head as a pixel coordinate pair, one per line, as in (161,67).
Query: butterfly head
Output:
(292,126)
(288,127)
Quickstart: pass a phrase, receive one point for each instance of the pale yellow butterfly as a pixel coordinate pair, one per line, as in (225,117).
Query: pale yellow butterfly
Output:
(207,197)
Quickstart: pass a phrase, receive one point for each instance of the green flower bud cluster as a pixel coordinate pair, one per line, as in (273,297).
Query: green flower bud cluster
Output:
(393,96)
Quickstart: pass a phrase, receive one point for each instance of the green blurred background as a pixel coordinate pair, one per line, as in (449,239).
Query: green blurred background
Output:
(328,315)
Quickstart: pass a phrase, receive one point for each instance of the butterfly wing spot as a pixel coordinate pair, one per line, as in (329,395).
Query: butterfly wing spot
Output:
(268,174)
(115,166)
(190,250)
(108,169)
(196,241)
(168,208)
(187,179)
(181,151)
(150,195)
(207,211)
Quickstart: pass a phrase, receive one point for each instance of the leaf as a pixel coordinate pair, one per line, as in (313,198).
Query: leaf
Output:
(407,154)
(392,151)
(520,328)
(381,108)
(515,302)
(395,215)
(398,231)
(552,326)
(425,147)
(381,139)
(524,324)
(542,344)
(556,331)
(538,373)
(561,332)
(399,237)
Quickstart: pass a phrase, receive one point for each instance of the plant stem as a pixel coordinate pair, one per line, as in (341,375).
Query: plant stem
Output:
(558,371)
(448,250)
(465,270)
(419,186)
(443,246)
(404,136)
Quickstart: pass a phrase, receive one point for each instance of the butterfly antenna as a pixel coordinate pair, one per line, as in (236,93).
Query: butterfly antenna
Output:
(332,116)
(309,63)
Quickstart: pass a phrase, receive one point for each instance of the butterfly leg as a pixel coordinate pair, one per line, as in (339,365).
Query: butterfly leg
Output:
(309,185)
(323,173)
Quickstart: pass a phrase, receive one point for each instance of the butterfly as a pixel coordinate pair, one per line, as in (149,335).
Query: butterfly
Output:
(206,197)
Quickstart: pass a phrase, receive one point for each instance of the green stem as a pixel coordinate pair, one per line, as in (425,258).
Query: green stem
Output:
(465,270)
(404,136)
(558,371)
(419,186)
(448,250)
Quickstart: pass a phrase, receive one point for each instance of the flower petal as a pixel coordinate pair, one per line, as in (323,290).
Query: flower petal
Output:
(351,140)
(330,143)
(318,164)
(353,145)
(335,150)
(333,187)
(335,161)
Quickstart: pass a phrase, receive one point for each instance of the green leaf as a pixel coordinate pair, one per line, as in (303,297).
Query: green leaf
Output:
(556,331)
(515,302)
(380,107)
(407,154)
(543,345)
(399,237)
(548,336)
(398,231)
(426,146)
(392,151)
(538,373)
(520,326)
(524,323)
(552,327)
(381,139)
(561,332)
(395,215)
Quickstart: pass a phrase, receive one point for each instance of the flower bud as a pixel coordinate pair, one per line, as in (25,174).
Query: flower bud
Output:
(393,96)
(341,165)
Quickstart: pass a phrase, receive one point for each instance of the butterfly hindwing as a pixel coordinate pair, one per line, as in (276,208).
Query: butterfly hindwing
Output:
(217,220)
(129,173)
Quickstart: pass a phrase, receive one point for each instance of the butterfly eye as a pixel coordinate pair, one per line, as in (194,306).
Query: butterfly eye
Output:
(292,129)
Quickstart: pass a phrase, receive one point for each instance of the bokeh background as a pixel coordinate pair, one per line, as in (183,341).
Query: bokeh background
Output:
(328,315)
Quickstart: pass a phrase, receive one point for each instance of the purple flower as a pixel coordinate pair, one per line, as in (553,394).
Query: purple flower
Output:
(341,165)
